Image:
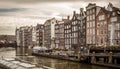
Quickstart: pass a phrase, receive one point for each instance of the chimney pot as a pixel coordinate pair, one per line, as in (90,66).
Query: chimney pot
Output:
(74,12)
(81,9)
(68,17)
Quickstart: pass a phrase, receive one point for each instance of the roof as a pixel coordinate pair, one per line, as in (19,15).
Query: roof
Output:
(65,20)
(91,4)
(80,16)
(105,11)
(117,10)
(114,9)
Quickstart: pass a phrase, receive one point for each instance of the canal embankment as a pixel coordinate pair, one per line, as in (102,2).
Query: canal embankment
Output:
(110,65)
(6,49)
(58,57)
(49,62)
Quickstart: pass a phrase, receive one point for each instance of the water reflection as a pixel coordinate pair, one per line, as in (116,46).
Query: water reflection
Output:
(61,64)
(7,54)
(55,63)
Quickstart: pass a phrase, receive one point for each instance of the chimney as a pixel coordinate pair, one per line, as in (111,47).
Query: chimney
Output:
(74,12)
(81,9)
(68,17)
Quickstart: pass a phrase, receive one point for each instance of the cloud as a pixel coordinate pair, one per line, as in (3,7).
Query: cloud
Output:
(35,1)
(11,9)
(41,1)
(7,30)
(30,12)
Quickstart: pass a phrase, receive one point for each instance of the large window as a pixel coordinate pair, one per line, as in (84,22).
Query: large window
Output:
(93,10)
(113,19)
(97,32)
(118,34)
(93,31)
(87,12)
(117,26)
(90,17)
(93,39)
(90,11)
(93,23)
(74,28)
(93,16)
(87,31)
(101,17)
(87,18)
(90,31)
(88,25)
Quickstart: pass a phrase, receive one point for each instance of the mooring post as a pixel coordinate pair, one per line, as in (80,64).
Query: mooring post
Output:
(110,57)
(79,55)
(93,59)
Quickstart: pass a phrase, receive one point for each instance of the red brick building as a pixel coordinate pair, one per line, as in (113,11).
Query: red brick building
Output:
(59,34)
(67,34)
(91,12)
(102,27)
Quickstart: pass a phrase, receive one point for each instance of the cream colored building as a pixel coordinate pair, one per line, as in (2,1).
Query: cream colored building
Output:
(49,32)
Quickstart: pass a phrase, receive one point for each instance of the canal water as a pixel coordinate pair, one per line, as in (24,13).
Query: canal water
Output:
(54,63)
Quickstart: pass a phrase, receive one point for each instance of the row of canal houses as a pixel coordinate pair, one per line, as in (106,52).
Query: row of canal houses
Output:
(96,26)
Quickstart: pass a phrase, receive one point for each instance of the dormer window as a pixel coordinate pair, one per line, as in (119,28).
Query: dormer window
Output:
(113,19)
(118,12)
(52,22)
(113,14)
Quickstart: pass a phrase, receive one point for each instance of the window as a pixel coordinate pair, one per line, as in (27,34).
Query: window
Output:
(105,32)
(118,35)
(117,26)
(87,40)
(105,22)
(87,24)
(52,22)
(93,10)
(87,18)
(72,23)
(101,17)
(93,39)
(93,23)
(87,12)
(90,24)
(90,31)
(113,13)
(74,28)
(101,41)
(87,31)
(74,41)
(90,11)
(97,32)
(101,32)
(93,16)
(41,26)
(90,17)
(93,31)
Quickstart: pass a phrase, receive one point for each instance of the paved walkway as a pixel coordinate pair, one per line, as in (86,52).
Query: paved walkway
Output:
(108,65)
(14,64)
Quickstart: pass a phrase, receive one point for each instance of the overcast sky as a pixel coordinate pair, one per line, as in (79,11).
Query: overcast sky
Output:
(16,13)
